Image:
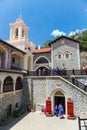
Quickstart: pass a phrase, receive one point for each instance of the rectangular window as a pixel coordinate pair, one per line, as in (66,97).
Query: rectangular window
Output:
(16,105)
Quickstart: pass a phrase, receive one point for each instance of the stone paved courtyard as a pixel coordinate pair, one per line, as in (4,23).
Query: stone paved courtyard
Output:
(38,121)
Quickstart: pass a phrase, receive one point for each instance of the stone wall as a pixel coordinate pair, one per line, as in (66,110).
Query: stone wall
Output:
(43,54)
(62,46)
(10,98)
(42,88)
(39,55)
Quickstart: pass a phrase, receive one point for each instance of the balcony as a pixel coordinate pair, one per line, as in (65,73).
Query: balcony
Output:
(13,70)
(56,72)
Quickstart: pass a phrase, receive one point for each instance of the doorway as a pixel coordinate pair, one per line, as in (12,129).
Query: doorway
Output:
(59,98)
(9,110)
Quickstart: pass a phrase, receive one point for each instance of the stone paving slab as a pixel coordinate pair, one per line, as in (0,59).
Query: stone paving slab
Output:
(38,121)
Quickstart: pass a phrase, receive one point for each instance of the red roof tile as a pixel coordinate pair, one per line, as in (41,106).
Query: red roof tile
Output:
(42,50)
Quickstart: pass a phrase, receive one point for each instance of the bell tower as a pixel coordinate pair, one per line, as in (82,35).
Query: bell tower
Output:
(19,36)
(18,30)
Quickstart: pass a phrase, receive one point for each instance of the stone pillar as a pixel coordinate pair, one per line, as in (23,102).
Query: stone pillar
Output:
(14,84)
(6,59)
(9,59)
(1,87)
(31,62)
(26,34)
(20,32)
(26,62)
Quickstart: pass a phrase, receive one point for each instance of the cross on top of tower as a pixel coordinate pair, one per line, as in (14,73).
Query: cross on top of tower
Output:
(20,15)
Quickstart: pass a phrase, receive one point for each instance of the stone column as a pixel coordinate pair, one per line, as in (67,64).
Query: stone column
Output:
(1,87)
(20,32)
(9,59)
(31,62)
(26,62)
(14,84)
(26,34)
(6,59)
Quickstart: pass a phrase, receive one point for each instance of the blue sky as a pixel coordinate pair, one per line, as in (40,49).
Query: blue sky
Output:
(45,18)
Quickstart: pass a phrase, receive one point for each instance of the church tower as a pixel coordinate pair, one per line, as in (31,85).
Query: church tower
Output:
(19,39)
(19,36)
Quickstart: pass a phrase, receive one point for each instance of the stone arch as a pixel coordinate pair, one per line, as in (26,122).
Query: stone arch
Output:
(17,54)
(19,84)
(58,96)
(17,60)
(8,84)
(40,58)
(42,70)
(67,55)
(60,55)
(42,65)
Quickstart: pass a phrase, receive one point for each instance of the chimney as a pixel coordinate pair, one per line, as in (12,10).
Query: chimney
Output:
(38,47)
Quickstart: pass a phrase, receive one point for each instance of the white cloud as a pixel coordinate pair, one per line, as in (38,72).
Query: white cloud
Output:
(76,31)
(56,32)
(71,33)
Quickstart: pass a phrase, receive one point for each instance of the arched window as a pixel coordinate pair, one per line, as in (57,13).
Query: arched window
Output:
(60,56)
(67,55)
(8,84)
(42,60)
(16,33)
(22,33)
(18,83)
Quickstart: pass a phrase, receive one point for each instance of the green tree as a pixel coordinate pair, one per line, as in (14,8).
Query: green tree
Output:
(83,41)
(46,43)
(82,37)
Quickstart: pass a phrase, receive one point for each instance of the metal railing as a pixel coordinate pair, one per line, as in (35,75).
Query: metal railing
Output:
(80,85)
(56,72)
(64,73)
(75,81)
(82,123)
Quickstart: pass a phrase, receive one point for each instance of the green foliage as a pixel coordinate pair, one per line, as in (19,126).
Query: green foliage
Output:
(82,37)
(46,43)
(17,113)
(57,37)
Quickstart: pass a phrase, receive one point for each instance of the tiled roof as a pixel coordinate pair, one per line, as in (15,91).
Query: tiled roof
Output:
(42,50)
(8,44)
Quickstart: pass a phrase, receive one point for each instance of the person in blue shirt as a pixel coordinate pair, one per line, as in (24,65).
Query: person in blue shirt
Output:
(60,111)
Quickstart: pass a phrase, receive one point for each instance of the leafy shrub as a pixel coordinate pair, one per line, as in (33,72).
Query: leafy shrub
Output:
(17,112)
